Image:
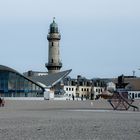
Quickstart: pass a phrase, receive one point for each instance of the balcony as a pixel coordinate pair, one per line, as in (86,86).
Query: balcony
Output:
(54,36)
(53,65)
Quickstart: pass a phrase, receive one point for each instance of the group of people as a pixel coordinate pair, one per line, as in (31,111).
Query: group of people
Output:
(2,102)
(82,97)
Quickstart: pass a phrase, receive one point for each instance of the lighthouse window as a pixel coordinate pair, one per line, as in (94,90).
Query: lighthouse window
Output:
(52,60)
(52,44)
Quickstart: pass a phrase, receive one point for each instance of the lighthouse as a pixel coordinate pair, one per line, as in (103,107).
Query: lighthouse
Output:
(54,64)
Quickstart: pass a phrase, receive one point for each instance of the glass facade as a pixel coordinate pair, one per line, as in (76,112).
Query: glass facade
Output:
(13,84)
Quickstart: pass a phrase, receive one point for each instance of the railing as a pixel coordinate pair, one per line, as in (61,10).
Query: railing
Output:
(53,64)
(53,36)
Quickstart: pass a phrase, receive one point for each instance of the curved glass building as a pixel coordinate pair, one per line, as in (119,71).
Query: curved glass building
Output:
(14,84)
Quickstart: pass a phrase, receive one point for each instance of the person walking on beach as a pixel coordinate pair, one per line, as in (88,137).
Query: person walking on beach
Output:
(0,102)
(3,102)
(73,97)
(82,97)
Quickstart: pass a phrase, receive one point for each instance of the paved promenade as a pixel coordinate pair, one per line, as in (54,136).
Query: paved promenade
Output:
(67,120)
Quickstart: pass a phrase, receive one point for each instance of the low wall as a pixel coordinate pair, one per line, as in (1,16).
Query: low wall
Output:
(24,98)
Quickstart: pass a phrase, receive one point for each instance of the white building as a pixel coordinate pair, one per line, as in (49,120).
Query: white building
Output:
(134,94)
(97,91)
(111,86)
(82,87)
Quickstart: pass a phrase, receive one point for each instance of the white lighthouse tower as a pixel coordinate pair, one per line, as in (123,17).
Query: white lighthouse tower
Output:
(54,64)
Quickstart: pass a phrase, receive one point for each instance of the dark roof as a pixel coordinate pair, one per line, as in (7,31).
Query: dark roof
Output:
(133,83)
(50,79)
(53,24)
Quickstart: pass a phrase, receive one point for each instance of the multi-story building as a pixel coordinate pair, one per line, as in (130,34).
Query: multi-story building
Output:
(82,87)
(132,86)
(14,84)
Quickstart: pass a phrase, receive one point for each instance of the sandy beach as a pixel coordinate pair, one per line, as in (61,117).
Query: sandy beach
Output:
(67,120)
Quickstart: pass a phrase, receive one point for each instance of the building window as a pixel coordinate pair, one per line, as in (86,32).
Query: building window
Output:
(135,95)
(139,95)
(132,95)
(52,44)
(72,89)
(66,89)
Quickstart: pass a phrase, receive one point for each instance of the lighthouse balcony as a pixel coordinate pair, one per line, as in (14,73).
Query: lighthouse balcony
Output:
(53,64)
(54,36)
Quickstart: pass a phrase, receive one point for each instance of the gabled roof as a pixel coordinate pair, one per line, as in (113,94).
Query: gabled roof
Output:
(50,79)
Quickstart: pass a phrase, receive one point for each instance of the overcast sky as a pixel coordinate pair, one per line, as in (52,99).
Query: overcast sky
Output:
(100,38)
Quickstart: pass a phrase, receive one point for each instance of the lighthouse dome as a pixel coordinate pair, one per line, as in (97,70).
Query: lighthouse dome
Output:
(53,27)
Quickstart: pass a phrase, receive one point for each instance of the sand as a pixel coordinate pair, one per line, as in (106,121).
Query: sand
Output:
(67,120)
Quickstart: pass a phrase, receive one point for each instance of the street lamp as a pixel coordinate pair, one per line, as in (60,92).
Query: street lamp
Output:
(134,73)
